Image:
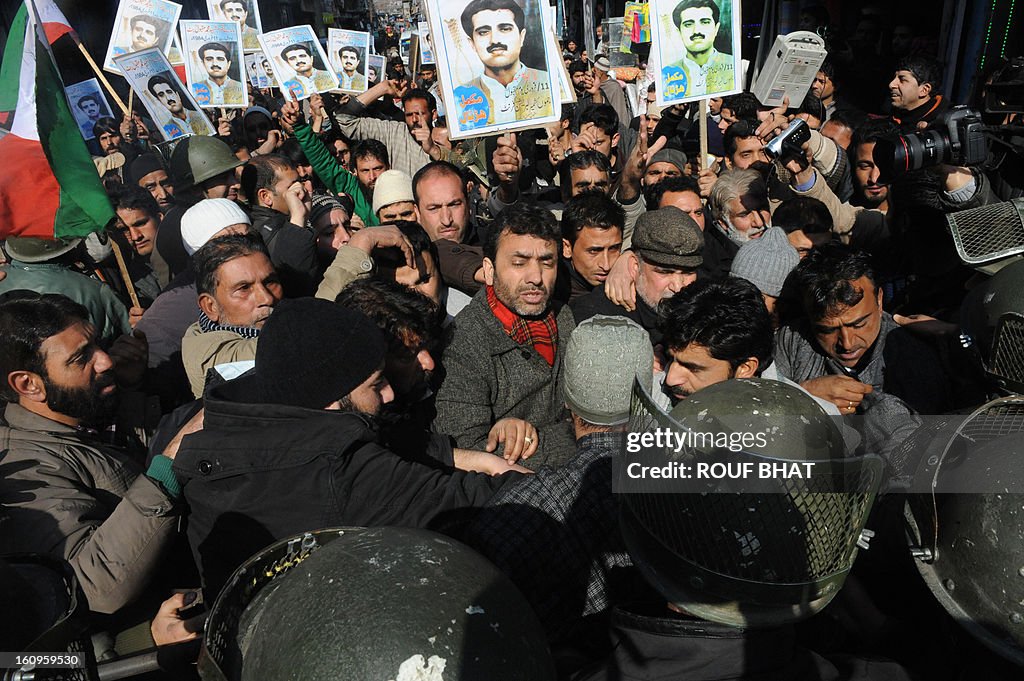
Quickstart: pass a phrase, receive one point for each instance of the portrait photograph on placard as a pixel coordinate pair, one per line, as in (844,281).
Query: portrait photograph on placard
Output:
(298,62)
(88,105)
(245,13)
(496,63)
(695,49)
(258,69)
(375,69)
(348,51)
(213,63)
(426,52)
(140,25)
(164,96)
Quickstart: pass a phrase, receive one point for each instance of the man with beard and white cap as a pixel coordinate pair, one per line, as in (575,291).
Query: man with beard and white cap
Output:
(168,318)
(67,492)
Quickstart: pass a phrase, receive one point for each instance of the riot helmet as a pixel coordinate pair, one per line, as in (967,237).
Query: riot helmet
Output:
(199,158)
(751,558)
(993,313)
(372,603)
(967,530)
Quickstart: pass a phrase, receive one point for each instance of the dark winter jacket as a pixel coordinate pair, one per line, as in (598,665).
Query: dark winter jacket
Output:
(258,473)
(292,250)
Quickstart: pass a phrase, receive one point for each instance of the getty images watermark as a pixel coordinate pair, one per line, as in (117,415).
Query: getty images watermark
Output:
(667,440)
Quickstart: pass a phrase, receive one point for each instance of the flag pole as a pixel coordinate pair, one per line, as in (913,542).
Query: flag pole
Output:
(99,74)
(124,272)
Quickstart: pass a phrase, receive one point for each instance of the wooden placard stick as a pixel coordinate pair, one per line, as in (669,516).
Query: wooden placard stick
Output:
(99,74)
(703,134)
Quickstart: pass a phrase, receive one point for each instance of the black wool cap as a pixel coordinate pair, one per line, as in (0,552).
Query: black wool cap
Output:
(312,352)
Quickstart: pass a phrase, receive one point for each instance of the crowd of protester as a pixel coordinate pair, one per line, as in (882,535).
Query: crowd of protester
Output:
(344,318)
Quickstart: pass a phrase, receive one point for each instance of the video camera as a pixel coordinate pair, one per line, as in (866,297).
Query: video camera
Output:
(788,144)
(956,138)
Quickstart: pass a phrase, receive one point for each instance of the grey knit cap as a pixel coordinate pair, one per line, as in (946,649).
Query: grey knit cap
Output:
(603,356)
(673,156)
(766,262)
(668,236)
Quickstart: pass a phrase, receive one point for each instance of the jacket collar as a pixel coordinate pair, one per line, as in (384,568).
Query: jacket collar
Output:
(19,418)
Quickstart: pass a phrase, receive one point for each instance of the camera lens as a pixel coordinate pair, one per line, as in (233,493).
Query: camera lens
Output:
(895,156)
(924,149)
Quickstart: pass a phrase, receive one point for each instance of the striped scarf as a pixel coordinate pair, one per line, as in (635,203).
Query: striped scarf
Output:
(207,325)
(541,334)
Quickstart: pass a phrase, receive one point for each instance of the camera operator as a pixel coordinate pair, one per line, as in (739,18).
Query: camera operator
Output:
(912,92)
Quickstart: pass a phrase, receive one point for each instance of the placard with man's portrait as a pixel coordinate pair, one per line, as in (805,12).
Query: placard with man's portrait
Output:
(140,25)
(245,13)
(348,51)
(88,105)
(258,68)
(164,96)
(298,62)
(695,49)
(496,64)
(426,51)
(375,69)
(213,63)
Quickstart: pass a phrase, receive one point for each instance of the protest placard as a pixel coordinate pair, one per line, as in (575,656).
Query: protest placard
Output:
(140,25)
(88,105)
(163,95)
(695,49)
(298,62)
(348,51)
(213,63)
(496,67)
(245,13)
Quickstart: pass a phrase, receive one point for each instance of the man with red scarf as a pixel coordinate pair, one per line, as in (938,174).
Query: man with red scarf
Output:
(502,390)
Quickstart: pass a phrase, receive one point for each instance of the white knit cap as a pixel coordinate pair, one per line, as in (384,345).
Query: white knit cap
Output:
(392,186)
(206,218)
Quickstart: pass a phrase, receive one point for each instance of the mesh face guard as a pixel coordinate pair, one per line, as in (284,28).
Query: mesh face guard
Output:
(1007,357)
(988,233)
(749,559)
(221,655)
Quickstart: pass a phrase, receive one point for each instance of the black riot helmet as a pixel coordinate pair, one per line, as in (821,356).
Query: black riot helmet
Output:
(352,604)
(741,558)
(993,313)
(967,529)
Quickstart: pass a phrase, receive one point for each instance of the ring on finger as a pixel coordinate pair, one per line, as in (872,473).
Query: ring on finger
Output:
(528,440)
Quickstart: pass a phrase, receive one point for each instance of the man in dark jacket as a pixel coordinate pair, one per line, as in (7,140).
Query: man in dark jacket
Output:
(592,225)
(292,446)
(280,206)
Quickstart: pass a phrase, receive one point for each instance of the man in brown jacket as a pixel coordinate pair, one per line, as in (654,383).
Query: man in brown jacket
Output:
(65,491)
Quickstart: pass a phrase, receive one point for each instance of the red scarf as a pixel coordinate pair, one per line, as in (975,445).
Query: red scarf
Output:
(541,334)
